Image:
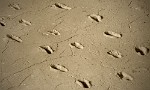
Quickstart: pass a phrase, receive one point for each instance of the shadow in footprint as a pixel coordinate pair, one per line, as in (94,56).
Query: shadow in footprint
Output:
(142,50)
(123,75)
(85,83)
(115,54)
(15,38)
(61,6)
(58,67)
(3,24)
(111,34)
(48,49)
(95,17)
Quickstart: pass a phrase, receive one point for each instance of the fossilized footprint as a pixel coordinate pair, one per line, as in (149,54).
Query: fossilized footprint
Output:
(14,6)
(25,22)
(112,34)
(59,67)
(96,17)
(84,83)
(48,49)
(123,75)
(62,6)
(13,37)
(115,53)
(142,50)
(76,45)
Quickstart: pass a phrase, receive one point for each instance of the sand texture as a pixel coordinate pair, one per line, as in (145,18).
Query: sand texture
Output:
(74,44)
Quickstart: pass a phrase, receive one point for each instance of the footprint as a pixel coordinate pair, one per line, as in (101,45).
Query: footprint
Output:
(77,45)
(84,84)
(123,75)
(62,6)
(48,49)
(142,50)
(59,67)
(13,37)
(115,53)
(96,17)
(111,34)
(53,32)
(2,23)
(26,23)
(14,6)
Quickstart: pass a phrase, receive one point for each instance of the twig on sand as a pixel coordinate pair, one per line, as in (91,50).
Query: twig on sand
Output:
(24,79)
(6,47)
(130,3)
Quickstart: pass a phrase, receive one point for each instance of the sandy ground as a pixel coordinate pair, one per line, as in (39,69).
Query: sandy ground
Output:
(74,44)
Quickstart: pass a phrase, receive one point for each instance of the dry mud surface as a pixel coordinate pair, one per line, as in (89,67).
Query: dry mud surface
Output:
(74,44)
